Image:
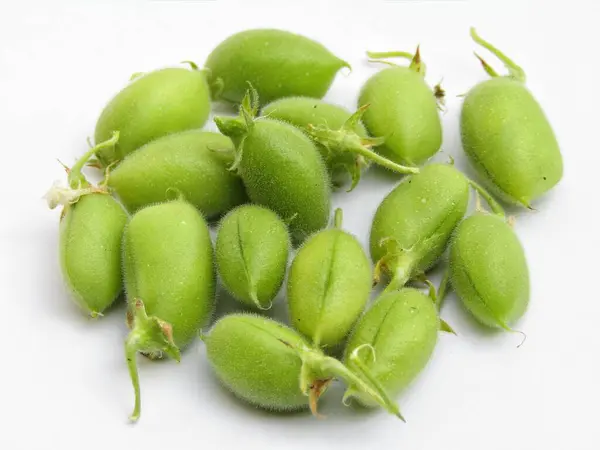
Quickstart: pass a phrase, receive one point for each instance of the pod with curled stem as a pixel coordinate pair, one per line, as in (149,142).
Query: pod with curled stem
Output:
(403,110)
(506,134)
(91,228)
(392,342)
(340,136)
(272,366)
(281,168)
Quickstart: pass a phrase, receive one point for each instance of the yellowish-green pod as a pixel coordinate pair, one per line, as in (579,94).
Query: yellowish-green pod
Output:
(393,341)
(277,63)
(339,134)
(507,136)
(403,111)
(281,168)
(251,253)
(273,367)
(153,105)
(329,285)
(169,281)
(488,270)
(91,230)
(193,163)
(414,222)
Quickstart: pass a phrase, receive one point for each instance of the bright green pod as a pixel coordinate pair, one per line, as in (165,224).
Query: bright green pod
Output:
(194,163)
(277,63)
(507,136)
(251,252)
(403,110)
(153,105)
(488,270)
(329,285)
(393,341)
(414,222)
(272,366)
(91,231)
(169,281)
(339,134)
(281,169)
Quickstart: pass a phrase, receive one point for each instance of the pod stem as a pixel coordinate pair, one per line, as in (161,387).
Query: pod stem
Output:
(76,178)
(149,334)
(416,63)
(490,200)
(397,262)
(515,71)
(338,218)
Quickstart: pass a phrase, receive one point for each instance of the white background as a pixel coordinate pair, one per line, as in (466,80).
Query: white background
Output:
(63,379)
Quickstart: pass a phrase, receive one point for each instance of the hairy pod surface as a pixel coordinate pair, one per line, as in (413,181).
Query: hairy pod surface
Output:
(403,110)
(283,171)
(252,250)
(156,104)
(328,286)
(488,270)
(194,163)
(277,63)
(91,231)
(507,136)
(413,224)
(393,340)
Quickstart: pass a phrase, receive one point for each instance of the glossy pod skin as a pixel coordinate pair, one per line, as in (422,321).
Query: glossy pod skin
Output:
(272,366)
(328,286)
(403,110)
(282,170)
(153,105)
(488,270)
(507,136)
(169,281)
(393,341)
(91,231)
(414,222)
(194,163)
(339,135)
(277,63)
(251,252)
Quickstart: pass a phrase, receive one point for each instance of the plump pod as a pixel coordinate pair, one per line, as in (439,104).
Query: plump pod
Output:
(271,366)
(251,253)
(194,163)
(339,134)
(282,170)
(404,111)
(507,136)
(91,230)
(488,270)
(277,63)
(393,341)
(169,280)
(328,286)
(414,222)
(155,104)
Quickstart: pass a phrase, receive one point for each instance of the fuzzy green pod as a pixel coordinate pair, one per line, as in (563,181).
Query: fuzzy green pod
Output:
(488,270)
(277,63)
(194,163)
(507,136)
(281,169)
(339,134)
(329,285)
(91,231)
(169,281)
(393,341)
(272,366)
(403,110)
(414,222)
(252,250)
(153,105)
